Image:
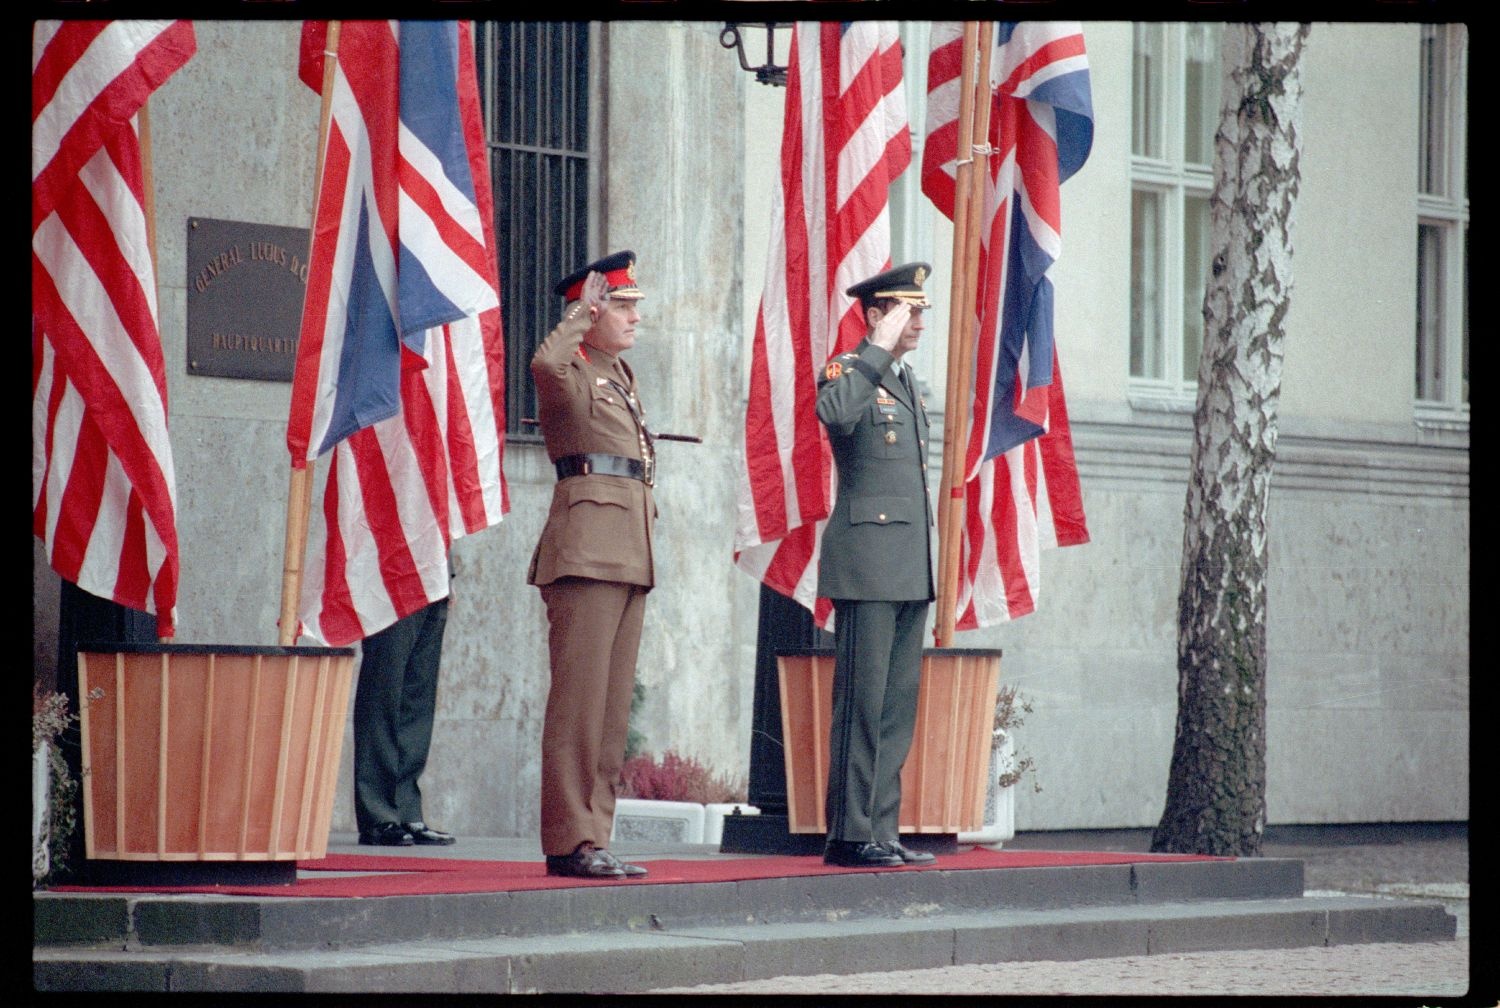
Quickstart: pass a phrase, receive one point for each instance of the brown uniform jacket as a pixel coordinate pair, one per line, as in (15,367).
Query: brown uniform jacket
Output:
(598,526)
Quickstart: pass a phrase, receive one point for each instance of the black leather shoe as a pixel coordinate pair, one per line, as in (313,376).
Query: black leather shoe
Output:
(586,861)
(907,855)
(424,834)
(853,854)
(387,834)
(630,870)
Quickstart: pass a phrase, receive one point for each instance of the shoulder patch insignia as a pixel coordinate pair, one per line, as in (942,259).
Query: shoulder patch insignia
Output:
(833,370)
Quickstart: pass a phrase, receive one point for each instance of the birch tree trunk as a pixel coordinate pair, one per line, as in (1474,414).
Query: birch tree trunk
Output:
(1216,790)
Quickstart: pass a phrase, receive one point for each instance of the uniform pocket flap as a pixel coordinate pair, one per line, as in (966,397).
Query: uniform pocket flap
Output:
(880,510)
(599,491)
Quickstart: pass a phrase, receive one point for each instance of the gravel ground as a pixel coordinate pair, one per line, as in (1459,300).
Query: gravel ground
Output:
(1405,866)
(1433,969)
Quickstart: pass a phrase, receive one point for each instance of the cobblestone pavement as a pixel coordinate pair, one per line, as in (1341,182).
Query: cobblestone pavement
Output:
(1399,866)
(1428,970)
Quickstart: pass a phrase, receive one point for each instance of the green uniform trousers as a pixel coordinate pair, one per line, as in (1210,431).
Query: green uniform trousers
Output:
(393,709)
(877,666)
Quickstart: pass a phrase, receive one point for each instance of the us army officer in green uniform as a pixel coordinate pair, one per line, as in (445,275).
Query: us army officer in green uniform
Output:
(593,563)
(876,566)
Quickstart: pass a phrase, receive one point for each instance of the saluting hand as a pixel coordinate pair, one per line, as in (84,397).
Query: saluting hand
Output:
(888,330)
(595,294)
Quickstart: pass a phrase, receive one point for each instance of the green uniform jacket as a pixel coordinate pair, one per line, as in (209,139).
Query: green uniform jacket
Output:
(876,545)
(598,526)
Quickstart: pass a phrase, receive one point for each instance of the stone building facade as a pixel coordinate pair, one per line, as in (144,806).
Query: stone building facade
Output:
(1369,606)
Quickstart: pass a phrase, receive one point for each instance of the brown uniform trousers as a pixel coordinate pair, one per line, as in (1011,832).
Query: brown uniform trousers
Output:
(593,566)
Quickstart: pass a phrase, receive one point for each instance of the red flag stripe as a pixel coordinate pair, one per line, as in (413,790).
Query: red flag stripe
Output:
(844,138)
(87,83)
(98,386)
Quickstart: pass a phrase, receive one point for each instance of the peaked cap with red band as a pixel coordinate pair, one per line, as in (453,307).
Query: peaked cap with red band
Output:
(618,269)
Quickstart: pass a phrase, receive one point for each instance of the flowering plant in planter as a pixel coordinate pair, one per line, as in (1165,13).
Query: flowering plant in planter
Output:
(1010,713)
(677,778)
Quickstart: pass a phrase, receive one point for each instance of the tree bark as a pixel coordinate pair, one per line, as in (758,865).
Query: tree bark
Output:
(1216,789)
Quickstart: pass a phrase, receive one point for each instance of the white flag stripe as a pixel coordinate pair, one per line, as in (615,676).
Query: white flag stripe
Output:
(114,51)
(425,535)
(46,374)
(102,178)
(67,425)
(449,271)
(101,561)
(86,298)
(475,384)
(454,203)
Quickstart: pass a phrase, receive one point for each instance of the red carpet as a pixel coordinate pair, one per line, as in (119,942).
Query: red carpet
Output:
(418,876)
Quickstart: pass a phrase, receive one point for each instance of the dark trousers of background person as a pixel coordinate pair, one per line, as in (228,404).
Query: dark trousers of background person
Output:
(877,667)
(393,711)
(85,618)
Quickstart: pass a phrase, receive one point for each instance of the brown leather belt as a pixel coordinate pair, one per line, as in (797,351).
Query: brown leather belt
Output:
(604,465)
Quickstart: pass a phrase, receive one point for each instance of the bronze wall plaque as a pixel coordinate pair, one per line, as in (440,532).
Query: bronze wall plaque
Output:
(245,287)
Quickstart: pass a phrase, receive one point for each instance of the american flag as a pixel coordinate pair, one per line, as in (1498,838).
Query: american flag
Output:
(1022,481)
(844,139)
(401,365)
(103,483)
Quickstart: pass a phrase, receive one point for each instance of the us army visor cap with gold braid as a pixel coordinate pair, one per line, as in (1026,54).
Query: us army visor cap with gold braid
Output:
(904,283)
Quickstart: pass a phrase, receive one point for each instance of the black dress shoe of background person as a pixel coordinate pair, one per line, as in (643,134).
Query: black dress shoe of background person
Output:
(630,870)
(907,855)
(387,834)
(855,854)
(425,834)
(586,861)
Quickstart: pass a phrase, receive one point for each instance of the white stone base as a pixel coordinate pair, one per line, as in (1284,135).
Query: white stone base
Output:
(1000,807)
(673,822)
(41,793)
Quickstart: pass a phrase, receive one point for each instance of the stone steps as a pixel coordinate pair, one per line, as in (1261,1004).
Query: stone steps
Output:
(630,938)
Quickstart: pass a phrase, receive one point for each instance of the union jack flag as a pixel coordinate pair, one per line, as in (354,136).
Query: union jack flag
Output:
(103,481)
(400,367)
(1022,487)
(844,140)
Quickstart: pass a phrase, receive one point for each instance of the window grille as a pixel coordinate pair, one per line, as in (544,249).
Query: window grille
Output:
(534,85)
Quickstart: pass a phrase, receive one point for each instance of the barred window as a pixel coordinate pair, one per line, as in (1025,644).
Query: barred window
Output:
(535,91)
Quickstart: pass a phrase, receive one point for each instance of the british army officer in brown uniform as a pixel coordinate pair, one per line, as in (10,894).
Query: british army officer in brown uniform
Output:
(593,564)
(876,566)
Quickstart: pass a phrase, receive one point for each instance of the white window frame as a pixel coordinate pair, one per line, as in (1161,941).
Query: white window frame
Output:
(1173,180)
(1447,211)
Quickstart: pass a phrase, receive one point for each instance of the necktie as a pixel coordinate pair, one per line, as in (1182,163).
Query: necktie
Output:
(906,383)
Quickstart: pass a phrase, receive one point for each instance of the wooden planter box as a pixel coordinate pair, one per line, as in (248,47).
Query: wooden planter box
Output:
(210,752)
(946,778)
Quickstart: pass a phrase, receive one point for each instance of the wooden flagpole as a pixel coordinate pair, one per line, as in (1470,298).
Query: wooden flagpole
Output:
(968,226)
(299,492)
